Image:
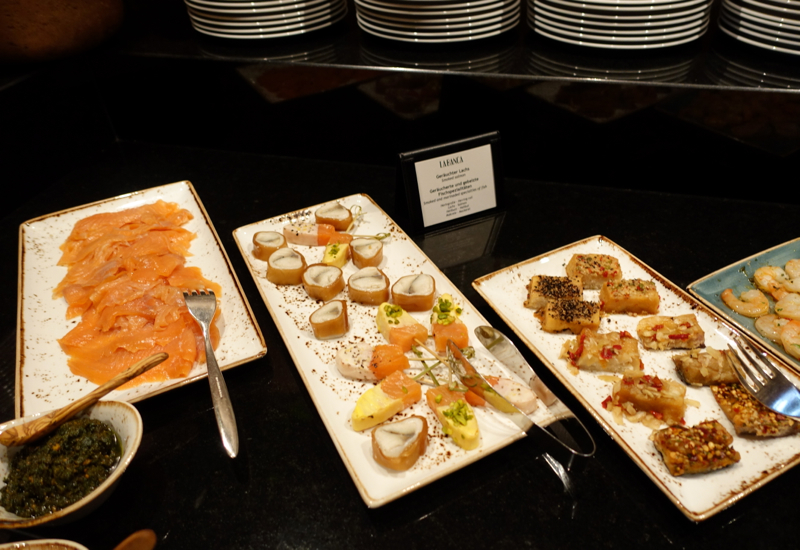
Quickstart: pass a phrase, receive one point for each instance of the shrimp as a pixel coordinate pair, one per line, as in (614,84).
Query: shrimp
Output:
(792,269)
(753,303)
(788,306)
(790,337)
(769,326)
(771,278)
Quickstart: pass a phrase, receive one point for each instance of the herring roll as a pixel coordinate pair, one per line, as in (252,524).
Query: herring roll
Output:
(334,214)
(368,286)
(366,252)
(267,242)
(398,445)
(323,282)
(286,267)
(330,320)
(414,292)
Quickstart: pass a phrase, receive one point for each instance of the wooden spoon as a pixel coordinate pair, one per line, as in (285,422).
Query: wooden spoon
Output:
(36,428)
(140,540)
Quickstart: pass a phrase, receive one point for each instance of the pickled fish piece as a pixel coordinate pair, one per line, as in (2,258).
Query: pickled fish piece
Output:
(330,321)
(543,288)
(267,242)
(367,252)
(399,445)
(336,254)
(455,415)
(703,368)
(572,315)
(369,286)
(286,267)
(696,450)
(629,296)
(378,404)
(334,214)
(681,332)
(414,292)
(594,269)
(748,416)
(603,352)
(651,395)
(364,362)
(323,282)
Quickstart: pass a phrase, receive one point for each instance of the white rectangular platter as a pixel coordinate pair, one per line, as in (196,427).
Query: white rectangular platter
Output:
(334,395)
(43,380)
(697,496)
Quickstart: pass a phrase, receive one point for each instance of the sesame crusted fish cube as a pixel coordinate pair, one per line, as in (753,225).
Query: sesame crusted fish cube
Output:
(594,269)
(696,450)
(543,288)
(572,315)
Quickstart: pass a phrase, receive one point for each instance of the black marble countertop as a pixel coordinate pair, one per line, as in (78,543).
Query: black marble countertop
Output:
(289,488)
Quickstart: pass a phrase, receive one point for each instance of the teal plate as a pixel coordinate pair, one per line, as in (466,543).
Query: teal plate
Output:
(739,277)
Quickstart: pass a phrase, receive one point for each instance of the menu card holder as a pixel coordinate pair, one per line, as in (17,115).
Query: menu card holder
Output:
(450,183)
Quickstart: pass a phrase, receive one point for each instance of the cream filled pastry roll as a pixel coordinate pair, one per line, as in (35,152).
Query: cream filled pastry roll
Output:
(414,292)
(368,286)
(323,282)
(286,267)
(330,320)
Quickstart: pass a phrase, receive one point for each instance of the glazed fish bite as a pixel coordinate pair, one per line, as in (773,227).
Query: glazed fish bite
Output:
(633,296)
(705,367)
(572,315)
(696,450)
(603,352)
(681,332)
(594,269)
(543,288)
(748,416)
(662,398)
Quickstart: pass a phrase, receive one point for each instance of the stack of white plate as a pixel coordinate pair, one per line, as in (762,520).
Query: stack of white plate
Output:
(620,24)
(769,24)
(435,21)
(263,19)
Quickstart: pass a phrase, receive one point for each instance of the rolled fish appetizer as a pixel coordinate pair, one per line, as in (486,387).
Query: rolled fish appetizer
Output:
(267,242)
(368,286)
(414,292)
(330,320)
(398,445)
(286,267)
(367,252)
(323,282)
(334,214)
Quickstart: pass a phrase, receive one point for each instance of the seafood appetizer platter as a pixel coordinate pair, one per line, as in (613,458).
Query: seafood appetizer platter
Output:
(650,364)
(366,317)
(100,287)
(761,296)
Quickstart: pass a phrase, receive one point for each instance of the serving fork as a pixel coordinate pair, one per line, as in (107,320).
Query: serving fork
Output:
(762,379)
(202,305)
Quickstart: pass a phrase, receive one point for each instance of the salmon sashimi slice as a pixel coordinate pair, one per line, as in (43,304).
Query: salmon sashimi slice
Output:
(126,274)
(387,358)
(407,336)
(455,331)
(398,385)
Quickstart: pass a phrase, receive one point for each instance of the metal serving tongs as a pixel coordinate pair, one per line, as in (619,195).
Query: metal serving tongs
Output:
(566,432)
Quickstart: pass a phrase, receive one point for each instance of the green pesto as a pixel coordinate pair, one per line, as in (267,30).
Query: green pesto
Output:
(59,470)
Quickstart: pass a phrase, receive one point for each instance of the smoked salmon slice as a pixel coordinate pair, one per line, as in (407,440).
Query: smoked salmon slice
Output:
(125,278)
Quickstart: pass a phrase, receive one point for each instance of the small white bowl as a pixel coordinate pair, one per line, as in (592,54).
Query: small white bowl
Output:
(125,420)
